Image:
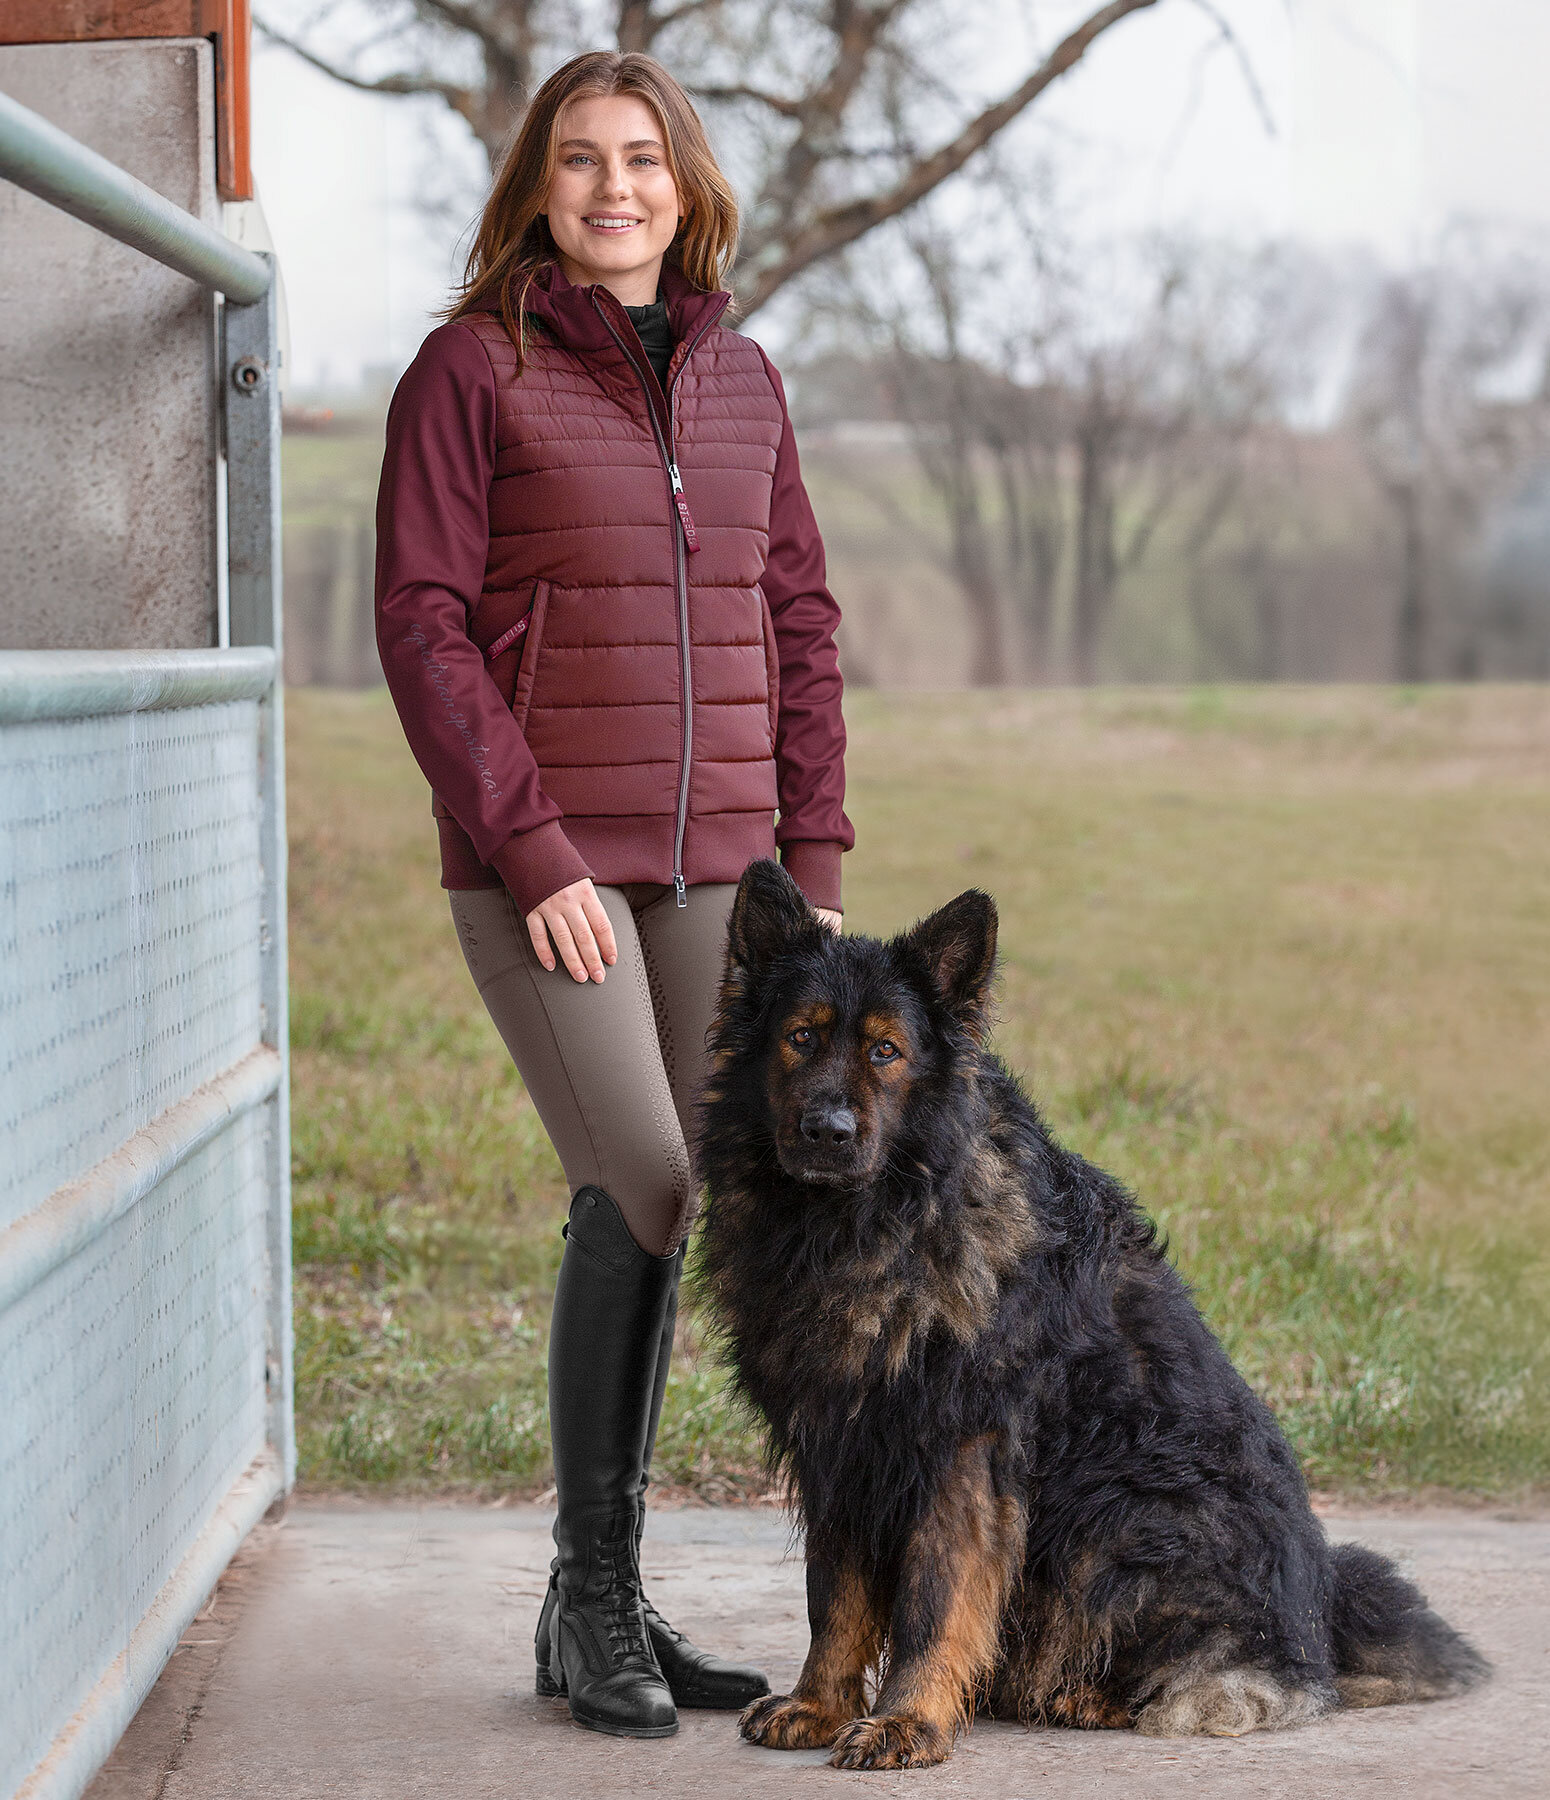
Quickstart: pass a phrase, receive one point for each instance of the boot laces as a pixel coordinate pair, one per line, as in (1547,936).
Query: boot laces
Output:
(620,1599)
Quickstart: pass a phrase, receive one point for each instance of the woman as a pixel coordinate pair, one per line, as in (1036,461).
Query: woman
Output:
(602,613)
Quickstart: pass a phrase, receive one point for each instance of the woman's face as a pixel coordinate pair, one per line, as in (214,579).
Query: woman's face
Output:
(613,205)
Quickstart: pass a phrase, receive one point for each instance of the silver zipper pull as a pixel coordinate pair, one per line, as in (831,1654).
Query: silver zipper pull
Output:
(677,479)
(678,889)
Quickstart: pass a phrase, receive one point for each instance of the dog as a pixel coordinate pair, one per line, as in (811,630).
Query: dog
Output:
(1031,1483)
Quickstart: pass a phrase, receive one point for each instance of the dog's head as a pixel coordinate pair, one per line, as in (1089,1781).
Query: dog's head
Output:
(834,1040)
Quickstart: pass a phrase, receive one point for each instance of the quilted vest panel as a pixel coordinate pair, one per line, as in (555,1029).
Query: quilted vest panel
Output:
(586,547)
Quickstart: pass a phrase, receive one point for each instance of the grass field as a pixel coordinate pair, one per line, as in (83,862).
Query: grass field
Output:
(1278,957)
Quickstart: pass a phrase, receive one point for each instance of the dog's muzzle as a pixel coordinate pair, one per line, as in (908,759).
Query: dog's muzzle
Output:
(829,1127)
(826,1147)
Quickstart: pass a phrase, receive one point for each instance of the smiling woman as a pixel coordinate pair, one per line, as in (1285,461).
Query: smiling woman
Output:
(613,206)
(611,698)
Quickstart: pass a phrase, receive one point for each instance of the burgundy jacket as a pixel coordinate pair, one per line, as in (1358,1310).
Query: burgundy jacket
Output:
(601,608)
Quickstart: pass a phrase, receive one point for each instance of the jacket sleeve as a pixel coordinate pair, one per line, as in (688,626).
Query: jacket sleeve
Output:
(432,543)
(812,831)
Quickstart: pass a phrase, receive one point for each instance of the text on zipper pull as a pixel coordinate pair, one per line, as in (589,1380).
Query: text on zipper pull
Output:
(691,536)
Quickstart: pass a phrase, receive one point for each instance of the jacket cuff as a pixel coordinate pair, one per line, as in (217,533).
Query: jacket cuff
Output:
(815,867)
(535,864)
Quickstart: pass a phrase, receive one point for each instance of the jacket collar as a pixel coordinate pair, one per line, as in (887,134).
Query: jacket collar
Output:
(571,312)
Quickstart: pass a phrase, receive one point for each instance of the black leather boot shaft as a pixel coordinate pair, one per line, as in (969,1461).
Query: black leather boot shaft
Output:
(664,1366)
(605,1340)
(604,1344)
(583,1633)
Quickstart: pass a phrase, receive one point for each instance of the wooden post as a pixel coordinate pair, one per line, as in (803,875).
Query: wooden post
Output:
(227,23)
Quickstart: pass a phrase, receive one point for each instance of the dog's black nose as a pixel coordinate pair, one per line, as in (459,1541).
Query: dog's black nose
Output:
(831,1126)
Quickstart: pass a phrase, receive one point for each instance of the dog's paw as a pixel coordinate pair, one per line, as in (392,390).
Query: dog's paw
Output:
(890,1743)
(782,1722)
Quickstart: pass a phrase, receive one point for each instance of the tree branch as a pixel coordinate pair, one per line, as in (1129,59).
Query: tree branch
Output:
(788,109)
(462,100)
(461,17)
(640,24)
(682,12)
(1245,66)
(842,225)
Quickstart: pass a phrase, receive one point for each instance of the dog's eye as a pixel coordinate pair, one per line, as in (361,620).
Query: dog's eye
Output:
(800,1038)
(885,1050)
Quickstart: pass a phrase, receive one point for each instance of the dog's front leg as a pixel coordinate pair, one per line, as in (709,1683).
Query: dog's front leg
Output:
(832,1688)
(945,1626)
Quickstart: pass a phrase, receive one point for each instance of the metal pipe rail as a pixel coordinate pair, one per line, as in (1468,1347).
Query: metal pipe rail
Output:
(50,163)
(145,1291)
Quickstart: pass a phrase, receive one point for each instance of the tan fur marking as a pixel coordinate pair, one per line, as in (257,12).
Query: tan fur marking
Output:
(831,1689)
(974,1540)
(954,1285)
(1086,1708)
(877,1026)
(817,1017)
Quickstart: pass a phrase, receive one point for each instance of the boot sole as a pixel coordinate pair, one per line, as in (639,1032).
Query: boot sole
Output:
(631,1731)
(547,1688)
(704,1703)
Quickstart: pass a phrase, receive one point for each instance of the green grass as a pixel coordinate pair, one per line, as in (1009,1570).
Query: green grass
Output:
(1279,958)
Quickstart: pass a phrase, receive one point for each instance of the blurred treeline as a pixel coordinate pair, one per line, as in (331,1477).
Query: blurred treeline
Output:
(1160,460)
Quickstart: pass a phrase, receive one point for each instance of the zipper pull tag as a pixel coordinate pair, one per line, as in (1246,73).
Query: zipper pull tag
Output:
(678,889)
(691,536)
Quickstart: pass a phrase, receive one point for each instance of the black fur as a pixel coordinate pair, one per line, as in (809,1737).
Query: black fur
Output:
(949,1322)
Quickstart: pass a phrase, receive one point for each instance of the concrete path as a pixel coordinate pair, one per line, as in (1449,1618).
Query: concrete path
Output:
(385,1653)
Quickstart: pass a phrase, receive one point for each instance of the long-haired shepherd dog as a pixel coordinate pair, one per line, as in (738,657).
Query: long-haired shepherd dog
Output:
(1031,1483)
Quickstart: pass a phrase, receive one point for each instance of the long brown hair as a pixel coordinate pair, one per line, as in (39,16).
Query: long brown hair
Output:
(513,240)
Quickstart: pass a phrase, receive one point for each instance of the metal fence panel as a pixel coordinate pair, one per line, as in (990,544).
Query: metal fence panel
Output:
(135,1400)
(145,1328)
(129,929)
(144,1331)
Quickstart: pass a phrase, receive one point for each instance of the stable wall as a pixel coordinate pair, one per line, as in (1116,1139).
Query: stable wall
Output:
(109,415)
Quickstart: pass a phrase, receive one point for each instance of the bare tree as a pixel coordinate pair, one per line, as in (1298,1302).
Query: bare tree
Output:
(1162,410)
(1450,401)
(1069,413)
(846,101)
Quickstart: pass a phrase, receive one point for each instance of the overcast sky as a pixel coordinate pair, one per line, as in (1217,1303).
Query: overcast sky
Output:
(1388,117)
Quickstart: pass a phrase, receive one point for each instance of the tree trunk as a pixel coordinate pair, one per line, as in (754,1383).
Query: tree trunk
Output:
(1095,561)
(981,591)
(1411,625)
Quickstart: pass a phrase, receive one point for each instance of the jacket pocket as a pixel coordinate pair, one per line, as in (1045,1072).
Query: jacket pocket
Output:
(526,649)
(500,627)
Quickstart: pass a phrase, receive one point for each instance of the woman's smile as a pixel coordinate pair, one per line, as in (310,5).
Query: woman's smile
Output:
(613,205)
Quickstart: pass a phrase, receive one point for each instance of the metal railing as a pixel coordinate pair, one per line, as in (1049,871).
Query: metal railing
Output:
(145,1301)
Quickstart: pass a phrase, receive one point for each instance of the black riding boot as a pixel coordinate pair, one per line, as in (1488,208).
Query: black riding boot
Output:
(609,1304)
(694,1677)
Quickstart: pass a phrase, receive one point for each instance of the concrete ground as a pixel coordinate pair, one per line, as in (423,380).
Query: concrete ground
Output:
(386,1652)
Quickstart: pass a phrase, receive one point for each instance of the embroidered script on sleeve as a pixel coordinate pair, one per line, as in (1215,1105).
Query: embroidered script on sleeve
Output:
(478,754)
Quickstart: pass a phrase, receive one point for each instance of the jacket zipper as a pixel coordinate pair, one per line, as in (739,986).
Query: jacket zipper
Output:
(684,540)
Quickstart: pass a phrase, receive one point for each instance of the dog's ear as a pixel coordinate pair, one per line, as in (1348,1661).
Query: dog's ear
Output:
(958,946)
(767,914)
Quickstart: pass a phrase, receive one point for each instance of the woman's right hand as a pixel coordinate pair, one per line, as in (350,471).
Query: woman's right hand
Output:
(574,919)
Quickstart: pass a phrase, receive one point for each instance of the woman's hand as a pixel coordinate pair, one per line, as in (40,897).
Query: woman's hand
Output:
(826,916)
(575,920)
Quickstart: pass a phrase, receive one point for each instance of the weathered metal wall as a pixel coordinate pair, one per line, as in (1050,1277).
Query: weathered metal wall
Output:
(144,1292)
(110,410)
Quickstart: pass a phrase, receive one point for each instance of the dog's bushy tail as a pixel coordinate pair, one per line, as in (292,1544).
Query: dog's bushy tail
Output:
(1389,1645)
